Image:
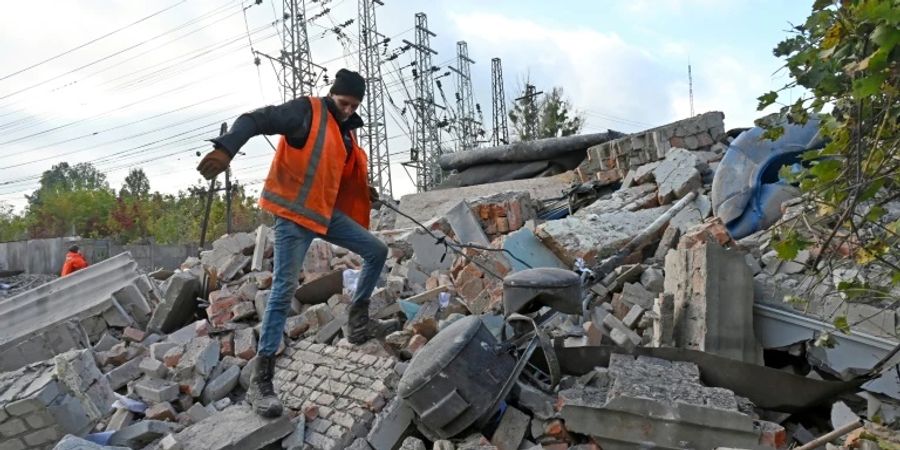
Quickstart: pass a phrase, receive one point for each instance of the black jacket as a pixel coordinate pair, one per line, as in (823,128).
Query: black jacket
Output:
(292,120)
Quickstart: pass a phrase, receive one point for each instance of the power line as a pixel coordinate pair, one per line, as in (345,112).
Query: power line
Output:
(78,47)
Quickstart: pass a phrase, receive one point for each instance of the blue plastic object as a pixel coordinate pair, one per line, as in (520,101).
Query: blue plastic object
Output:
(747,191)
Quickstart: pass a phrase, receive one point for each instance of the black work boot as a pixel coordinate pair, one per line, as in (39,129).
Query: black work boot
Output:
(261,393)
(360,328)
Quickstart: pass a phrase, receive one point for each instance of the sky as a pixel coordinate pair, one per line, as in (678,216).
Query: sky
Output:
(124,84)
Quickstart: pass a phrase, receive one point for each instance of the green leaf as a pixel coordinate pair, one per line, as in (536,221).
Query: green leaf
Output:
(826,170)
(875,214)
(788,246)
(895,278)
(894,227)
(886,36)
(822,4)
(841,323)
(766,99)
(871,190)
(773,133)
(868,85)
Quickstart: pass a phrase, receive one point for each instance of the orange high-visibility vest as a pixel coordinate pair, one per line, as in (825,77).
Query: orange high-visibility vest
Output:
(306,184)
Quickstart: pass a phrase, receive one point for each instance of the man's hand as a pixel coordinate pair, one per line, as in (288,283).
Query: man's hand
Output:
(214,163)
(373,197)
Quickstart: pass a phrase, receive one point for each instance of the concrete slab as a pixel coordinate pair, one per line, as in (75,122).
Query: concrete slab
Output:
(178,303)
(465,225)
(235,428)
(527,247)
(424,206)
(35,325)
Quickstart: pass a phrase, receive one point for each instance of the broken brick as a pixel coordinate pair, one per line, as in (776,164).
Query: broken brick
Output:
(131,334)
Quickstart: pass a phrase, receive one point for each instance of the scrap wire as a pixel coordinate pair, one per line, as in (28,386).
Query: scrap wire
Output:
(456,246)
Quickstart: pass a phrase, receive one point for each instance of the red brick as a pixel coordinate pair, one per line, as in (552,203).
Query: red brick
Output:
(117,355)
(222,304)
(416,343)
(432,282)
(171,358)
(310,411)
(221,319)
(557,429)
(484,211)
(471,289)
(514,215)
(676,142)
(226,343)
(502,225)
(201,327)
(133,335)
(296,326)
(161,411)
(772,435)
(469,272)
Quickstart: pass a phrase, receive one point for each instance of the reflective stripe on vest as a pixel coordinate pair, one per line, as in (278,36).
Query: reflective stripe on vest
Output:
(297,205)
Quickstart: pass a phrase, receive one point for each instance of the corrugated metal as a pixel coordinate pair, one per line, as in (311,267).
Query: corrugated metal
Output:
(44,321)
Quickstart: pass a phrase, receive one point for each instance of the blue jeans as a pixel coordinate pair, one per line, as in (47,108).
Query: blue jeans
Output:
(291,243)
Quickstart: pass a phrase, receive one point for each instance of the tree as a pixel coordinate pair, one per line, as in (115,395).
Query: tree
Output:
(136,184)
(12,226)
(550,115)
(555,112)
(65,178)
(846,57)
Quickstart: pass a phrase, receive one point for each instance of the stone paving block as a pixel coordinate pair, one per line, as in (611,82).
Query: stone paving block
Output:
(120,419)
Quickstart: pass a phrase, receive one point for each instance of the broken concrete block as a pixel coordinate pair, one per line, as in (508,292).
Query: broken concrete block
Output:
(161,411)
(534,400)
(653,280)
(464,224)
(668,241)
(294,441)
(245,344)
(200,357)
(242,311)
(192,386)
(70,442)
(511,430)
(259,248)
(677,175)
(169,443)
(620,334)
(390,425)
(295,326)
(635,294)
(327,332)
(634,315)
(412,443)
(154,390)
(77,370)
(120,419)
(105,343)
(237,427)
(220,386)
(173,356)
(120,376)
(713,290)
(425,322)
(260,302)
(197,412)
(663,326)
(140,434)
(159,349)
(178,303)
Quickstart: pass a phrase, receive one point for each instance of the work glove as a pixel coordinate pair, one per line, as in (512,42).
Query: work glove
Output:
(214,163)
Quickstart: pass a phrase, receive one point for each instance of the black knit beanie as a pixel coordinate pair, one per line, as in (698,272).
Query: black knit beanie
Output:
(349,83)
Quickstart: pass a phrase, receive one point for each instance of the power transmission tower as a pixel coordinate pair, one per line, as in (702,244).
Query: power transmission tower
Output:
(426,139)
(298,77)
(464,97)
(498,103)
(374,133)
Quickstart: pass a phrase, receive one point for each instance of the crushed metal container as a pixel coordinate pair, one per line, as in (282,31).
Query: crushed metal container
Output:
(454,381)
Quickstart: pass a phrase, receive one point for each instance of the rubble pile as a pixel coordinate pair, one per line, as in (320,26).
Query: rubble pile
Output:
(164,362)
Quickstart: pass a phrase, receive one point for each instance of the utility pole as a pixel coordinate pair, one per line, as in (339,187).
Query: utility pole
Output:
(228,200)
(691,88)
(464,97)
(498,103)
(210,194)
(426,139)
(374,133)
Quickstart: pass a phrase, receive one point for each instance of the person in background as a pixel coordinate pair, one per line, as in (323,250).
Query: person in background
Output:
(74,261)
